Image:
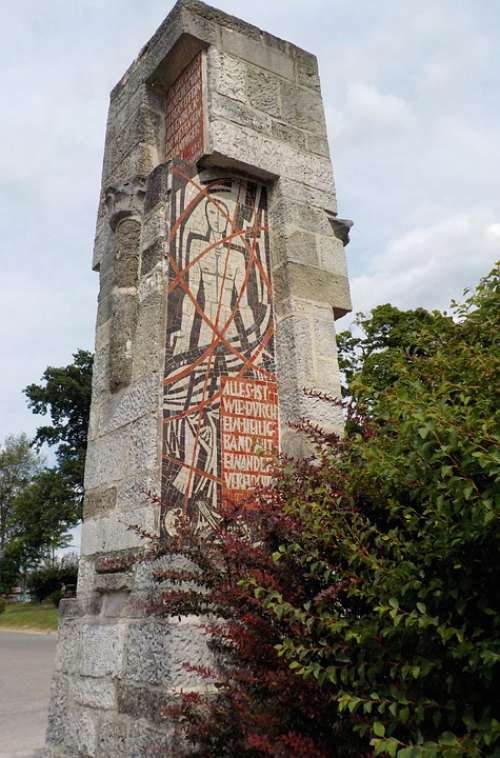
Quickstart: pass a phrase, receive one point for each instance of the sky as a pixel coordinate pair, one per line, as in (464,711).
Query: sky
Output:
(411,92)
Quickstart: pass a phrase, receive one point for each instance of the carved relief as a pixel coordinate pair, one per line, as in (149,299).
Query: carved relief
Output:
(124,205)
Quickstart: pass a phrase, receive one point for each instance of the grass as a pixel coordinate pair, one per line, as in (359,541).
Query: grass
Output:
(29,616)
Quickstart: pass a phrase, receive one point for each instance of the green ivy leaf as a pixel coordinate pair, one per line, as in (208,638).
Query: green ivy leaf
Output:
(379,729)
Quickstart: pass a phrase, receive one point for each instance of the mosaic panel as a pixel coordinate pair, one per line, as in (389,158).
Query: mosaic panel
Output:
(184,114)
(220,409)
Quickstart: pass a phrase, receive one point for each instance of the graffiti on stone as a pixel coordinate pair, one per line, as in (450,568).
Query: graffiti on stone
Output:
(220,412)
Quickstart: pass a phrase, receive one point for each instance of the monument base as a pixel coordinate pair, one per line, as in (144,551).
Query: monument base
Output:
(119,666)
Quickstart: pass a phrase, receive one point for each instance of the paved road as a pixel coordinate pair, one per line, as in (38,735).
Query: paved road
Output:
(26,663)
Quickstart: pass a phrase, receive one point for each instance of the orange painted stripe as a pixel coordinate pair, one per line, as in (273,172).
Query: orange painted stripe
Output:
(204,252)
(214,200)
(198,471)
(241,372)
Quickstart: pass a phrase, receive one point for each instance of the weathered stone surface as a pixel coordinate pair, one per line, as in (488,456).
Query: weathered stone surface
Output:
(147,652)
(229,75)
(268,157)
(157,187)
(331,255)
(114,588)
(247,49)
(68,609)
(85,728)
(86,573)
(57,731)
(302,108)
(100,372)
(147,574)
(158,650)
(116,561)
(133,402)
(94,693)
(128,237)
(310,283)
(104,534)
(99,501)
(286,133)
(301,248)
(154,230)
(290,214)
(148,338)
(125,452)
(141,702)
(144,740)
(241,113)
(102,649)
(137,491)
(294,189)
(151,255)
(263,91)
(112,738)
(104,299)
(317,143)
(68,647)
(142,127)
(307,70)
(295,354)
(123,324)
(116,602)
(140,161)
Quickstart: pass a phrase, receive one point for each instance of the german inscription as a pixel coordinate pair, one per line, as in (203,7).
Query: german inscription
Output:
(249,420)
(184,114)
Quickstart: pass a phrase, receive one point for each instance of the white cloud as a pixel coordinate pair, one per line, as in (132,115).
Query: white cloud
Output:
(430,264)
(370,113)
(493,231)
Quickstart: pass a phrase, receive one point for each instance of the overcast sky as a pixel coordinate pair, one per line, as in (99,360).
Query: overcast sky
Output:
(412,96)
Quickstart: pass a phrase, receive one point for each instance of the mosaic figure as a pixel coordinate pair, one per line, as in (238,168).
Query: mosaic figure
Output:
(219,327)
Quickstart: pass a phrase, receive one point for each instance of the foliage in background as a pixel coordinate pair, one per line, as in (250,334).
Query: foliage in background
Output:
(65,395)
(53,581)
(43,514)
(361,594)
(370,358)
(38,505)
(18,466)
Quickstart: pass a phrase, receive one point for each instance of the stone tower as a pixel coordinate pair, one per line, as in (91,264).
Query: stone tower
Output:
(222,271)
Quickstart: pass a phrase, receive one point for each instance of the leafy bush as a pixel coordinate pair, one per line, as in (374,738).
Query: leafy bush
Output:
(2,605)
(56,597)
(358,602)
(46,581)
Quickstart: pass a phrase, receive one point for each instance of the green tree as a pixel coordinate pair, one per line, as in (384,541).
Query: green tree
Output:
(370,354)
(52,579)
(42,514)
(65,394)
(18,465)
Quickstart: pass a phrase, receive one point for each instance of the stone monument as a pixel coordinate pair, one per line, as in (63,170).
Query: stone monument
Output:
(222,271)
